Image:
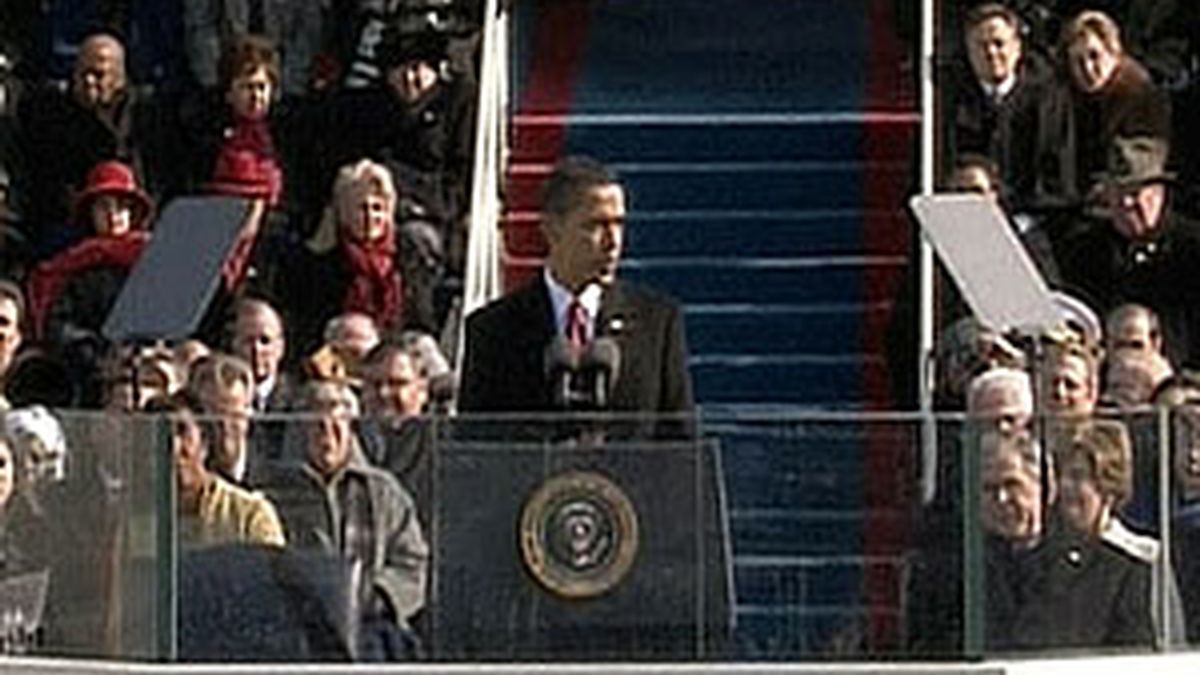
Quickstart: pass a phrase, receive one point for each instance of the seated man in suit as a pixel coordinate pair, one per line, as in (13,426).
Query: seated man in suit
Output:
(258,337)
(995,102)
(1045,585)
(223,385)
(335,502)
(512,343)
(211,510)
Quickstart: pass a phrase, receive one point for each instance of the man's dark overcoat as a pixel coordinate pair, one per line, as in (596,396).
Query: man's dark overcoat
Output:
(1107,269)
(504,367)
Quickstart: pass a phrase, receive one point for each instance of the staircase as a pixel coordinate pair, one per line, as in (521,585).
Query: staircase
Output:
(767,148)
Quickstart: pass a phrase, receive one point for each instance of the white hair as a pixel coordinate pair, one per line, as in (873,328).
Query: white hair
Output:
(997,378)
(358,179)
(338,324)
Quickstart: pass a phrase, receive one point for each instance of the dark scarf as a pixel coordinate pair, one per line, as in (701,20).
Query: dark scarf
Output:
(49,278)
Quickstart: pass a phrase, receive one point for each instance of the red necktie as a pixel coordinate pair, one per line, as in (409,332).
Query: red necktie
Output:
(577,324)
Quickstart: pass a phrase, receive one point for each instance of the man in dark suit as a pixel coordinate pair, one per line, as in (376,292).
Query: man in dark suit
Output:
(1044,585)
(512,348)
(578,296)
(257,336)
(1138,247)
(995,102)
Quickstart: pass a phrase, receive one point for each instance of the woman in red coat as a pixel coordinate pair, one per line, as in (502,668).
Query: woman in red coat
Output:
(70,294)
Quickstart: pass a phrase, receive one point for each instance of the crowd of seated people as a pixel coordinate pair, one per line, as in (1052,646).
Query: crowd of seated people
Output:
(326,479)
(1094,396)
(1047,113)
(1043,87)
(349,135)
(1062,112)
(347,129)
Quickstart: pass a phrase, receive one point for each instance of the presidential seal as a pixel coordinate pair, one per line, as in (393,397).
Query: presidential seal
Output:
(579,534)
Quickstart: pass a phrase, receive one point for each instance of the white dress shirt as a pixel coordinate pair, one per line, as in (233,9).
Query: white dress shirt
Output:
(561,298)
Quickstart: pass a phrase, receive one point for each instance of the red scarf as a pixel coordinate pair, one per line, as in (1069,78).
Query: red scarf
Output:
(238,262)
(255,136)
(375,286)
(50,277)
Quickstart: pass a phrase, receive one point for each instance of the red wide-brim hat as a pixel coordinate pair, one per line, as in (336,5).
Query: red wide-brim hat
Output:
(113,178)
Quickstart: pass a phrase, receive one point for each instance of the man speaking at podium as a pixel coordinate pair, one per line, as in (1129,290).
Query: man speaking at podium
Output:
(623,554)
(576,338)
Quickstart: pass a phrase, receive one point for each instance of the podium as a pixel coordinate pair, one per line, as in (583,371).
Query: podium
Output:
(557,551)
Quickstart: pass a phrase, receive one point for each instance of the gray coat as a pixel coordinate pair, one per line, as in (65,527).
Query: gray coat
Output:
(366,516)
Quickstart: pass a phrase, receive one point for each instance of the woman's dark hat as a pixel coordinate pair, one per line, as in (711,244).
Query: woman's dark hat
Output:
(1134,162)
(399,47)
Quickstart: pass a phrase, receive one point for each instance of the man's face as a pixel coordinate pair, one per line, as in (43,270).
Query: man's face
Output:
(187,445)
(1012,497)
(1127,384)
(1071,387)
(1006,406)
(231,404)
(994,49)
(1135,333)
(328,434)
(395,389)
(258,338)
(585,243)
(973,179)
(1137,213)
(1092,63)
(99,72)
(412,80)
(10,333)
(250,94)
(1132,377)
(112,215)
(357,337)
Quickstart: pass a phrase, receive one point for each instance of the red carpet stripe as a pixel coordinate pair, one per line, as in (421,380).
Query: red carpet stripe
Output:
(889,450)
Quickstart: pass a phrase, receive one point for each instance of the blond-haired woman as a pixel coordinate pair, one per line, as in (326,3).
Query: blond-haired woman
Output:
(352,262)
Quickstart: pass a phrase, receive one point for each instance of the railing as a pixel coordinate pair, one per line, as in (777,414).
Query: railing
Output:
(791,536)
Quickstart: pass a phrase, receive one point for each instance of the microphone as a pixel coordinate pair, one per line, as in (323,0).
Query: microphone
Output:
(602,363)
(560,361)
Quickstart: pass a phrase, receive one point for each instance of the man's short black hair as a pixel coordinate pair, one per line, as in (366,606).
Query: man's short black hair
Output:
(992,10)
(572,178)
(389,347)
(181,402)
(104,29)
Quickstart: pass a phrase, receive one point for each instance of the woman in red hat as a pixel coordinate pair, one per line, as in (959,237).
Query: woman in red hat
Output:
(70,294)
